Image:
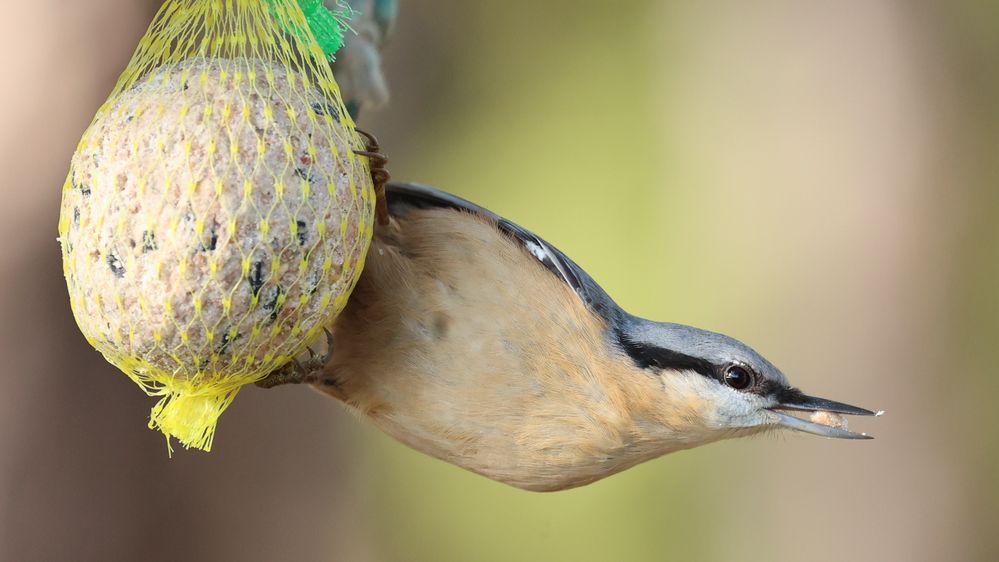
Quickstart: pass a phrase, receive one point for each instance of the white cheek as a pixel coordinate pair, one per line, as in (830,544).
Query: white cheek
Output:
(710,409)
(738,409)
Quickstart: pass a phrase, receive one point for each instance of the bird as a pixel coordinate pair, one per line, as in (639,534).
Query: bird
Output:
(471,339)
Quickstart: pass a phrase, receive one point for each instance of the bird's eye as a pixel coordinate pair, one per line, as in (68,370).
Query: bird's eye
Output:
(738,377)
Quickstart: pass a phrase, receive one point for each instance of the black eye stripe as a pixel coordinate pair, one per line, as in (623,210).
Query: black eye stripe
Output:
(647,356)
(651,357)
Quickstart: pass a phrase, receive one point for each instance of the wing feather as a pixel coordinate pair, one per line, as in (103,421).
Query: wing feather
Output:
(403,197)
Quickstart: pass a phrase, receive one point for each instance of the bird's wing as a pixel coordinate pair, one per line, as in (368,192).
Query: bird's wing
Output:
(405,196)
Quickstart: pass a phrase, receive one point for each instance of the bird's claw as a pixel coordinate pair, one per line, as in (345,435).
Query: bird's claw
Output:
(297,372)
(379,174)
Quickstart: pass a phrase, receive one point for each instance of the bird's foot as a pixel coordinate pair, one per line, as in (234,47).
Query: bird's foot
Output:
(308,371)
(379,174)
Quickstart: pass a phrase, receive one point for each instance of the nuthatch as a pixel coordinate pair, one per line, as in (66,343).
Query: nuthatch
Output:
(473,340)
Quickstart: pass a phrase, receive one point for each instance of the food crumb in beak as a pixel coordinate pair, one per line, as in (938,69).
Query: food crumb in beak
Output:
(828,418)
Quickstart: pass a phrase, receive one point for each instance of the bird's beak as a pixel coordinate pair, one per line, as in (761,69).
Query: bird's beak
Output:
(793,399)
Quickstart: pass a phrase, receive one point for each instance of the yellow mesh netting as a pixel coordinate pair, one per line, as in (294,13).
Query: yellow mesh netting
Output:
(215,217)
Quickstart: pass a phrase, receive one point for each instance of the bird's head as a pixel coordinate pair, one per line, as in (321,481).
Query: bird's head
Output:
(718,387)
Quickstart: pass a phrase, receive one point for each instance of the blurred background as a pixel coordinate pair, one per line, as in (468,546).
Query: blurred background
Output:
(818,179)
